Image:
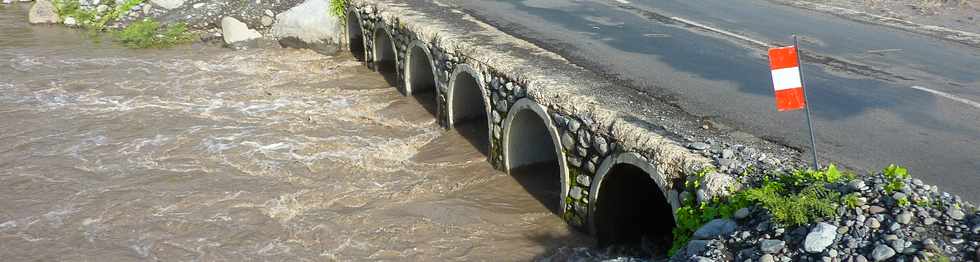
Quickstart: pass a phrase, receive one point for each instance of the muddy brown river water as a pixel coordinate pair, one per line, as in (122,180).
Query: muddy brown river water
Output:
(201,153)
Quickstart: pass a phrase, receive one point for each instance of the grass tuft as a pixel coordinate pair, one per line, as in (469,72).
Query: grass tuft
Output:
(149,33)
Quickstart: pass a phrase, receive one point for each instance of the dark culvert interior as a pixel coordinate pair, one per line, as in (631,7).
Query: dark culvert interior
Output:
(533,160)
(384,56)
(421,80)
(469,112)
(632,213)
(355,38)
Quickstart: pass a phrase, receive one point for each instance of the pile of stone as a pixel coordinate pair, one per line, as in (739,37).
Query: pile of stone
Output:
(929,226)
(237,24)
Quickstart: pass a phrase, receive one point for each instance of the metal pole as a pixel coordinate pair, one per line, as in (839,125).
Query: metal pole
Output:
(809,122)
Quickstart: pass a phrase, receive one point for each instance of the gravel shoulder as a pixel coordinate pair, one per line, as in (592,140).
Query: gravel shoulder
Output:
(955,20)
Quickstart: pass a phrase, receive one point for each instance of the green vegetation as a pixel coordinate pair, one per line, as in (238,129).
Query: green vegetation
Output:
(91,19)
(796,198)
(808,205)
(149,34)
(140,34)
(851,200)
(338,8)
(895,176)
(691,216)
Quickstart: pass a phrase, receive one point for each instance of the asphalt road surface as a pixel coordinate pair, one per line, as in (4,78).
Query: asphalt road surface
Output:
(879,95)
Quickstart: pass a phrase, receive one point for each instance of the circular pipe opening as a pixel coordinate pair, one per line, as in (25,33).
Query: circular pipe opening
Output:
(468,113)
(355,37)
(632,212)
(533,158)
(420,81)
(384,57)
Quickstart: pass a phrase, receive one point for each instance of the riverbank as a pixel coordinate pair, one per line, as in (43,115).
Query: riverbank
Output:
(236,24)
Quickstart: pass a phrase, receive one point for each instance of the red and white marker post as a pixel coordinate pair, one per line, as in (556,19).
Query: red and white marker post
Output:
(787,80)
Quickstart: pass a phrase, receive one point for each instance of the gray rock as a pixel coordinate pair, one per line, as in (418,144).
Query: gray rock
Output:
(267,21)
(976,229)
(767,258)
(904,217)
(600,145)
(727,154)
(575,161)
(857,185)
(43,12)
(955,213)
(573,125)
(717,185)
(699,146)
(899,195)
(770,246)
(715,228)
(590,167)
(576,192)
(168,4)
(876,209)
(820,238)
(583,180)
(702,196)
(70,21)
(584,138)
(567,141)
(235,32)
(685,196)
(898,244)
(742,213)
(882,252)
(872,223)
(929,221)
(931,245)
(695,247)
(860,258)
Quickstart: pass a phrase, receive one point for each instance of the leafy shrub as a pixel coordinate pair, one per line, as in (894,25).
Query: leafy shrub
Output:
(149,34)
(800,178)
(895,176)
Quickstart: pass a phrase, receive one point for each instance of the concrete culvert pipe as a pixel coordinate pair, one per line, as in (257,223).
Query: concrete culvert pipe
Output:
(420,80)
(384,56)
(467,107)
(629,207)
(419,71)
(531,148)
(355,37)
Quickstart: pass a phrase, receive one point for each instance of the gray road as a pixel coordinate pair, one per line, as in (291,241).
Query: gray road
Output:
(879,95)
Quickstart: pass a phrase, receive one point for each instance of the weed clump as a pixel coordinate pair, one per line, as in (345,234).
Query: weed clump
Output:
(92,18)
(338,8)
(150,34)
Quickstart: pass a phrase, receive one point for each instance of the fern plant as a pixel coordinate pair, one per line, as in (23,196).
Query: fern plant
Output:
(813,202)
